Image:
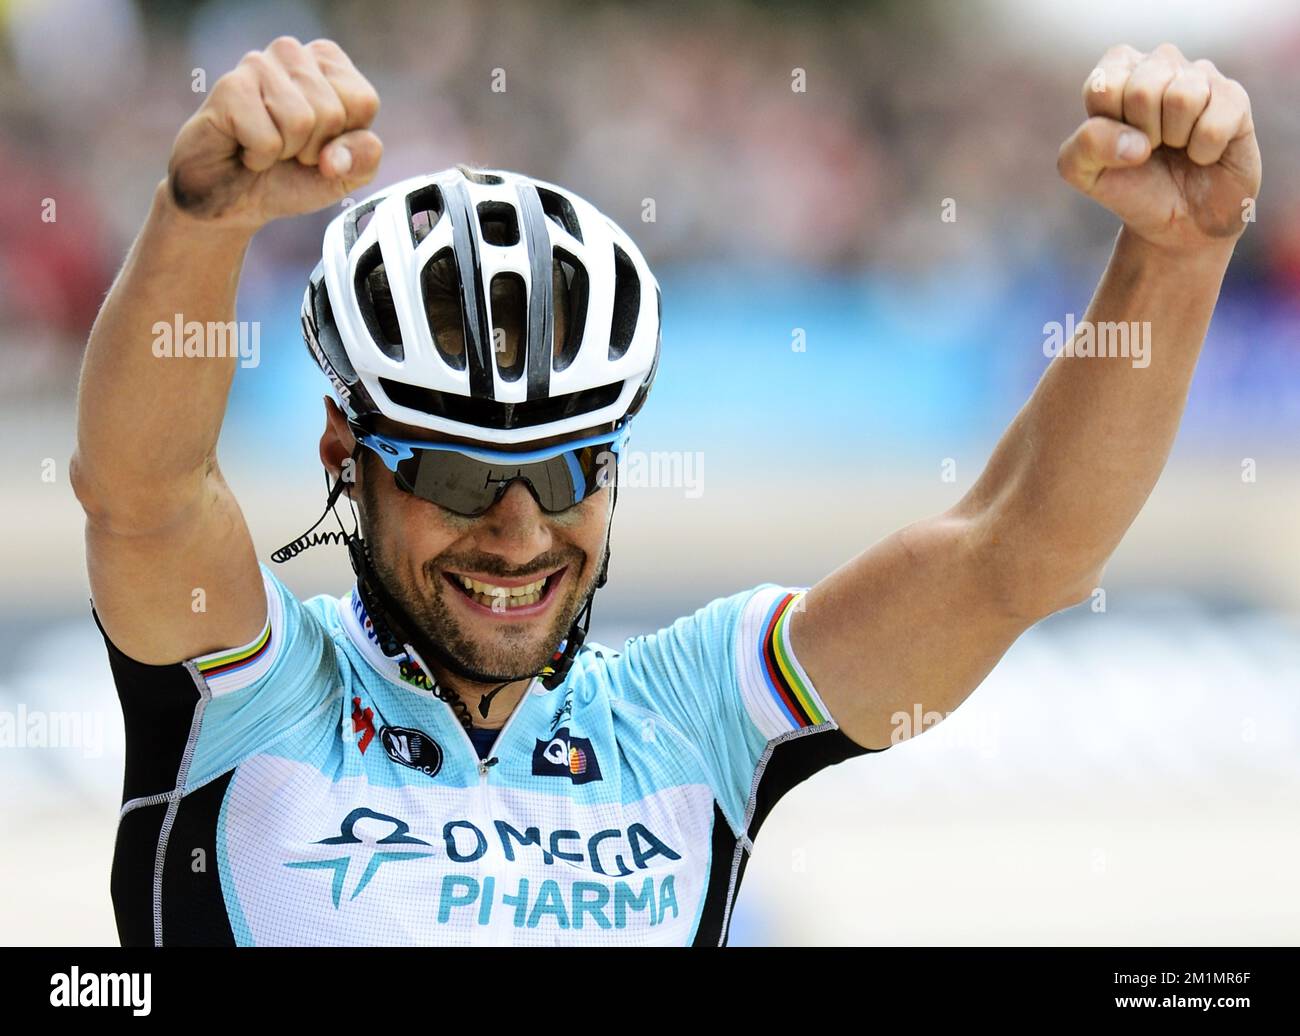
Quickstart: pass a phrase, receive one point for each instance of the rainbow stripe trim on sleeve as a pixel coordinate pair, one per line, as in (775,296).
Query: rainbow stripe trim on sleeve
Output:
(787,683)
(227,671)
(235,661)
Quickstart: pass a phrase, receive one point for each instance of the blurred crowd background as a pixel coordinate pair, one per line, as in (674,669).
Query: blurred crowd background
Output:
(1143,783)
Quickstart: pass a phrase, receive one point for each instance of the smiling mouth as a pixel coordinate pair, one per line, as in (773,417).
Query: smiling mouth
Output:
(508,598)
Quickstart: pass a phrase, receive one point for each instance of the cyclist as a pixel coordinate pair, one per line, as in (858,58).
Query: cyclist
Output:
(438,757)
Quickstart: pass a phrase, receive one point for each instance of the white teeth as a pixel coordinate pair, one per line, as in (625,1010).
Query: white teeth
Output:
(493,596)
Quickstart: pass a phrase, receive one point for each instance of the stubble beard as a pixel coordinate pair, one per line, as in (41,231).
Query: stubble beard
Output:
(513,650)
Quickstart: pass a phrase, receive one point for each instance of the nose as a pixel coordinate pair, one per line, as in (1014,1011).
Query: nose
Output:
(514,528)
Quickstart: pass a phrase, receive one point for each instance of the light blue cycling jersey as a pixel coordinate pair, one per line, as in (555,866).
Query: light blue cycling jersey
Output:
(308,789)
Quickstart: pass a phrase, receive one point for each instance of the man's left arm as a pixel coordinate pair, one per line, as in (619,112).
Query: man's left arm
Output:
(920,618)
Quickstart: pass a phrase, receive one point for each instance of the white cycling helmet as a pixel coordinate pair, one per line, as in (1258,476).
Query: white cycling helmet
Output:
(435,304)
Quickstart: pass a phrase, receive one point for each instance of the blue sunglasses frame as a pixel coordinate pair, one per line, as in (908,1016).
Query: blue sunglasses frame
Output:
(393,451)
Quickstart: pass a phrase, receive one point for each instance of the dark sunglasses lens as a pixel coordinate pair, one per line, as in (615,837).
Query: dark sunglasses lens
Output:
(449,480)
(469,487)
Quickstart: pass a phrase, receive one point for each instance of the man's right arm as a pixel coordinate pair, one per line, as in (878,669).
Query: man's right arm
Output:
(172,569)
(160,521)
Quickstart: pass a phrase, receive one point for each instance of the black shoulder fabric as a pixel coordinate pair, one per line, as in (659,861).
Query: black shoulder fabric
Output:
(719,895)
(158,703)
(193,907)
(794,761)
(791,763)
(158,707)
(131,884)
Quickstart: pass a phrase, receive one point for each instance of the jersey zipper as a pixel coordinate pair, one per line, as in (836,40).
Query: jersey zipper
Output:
(499,924)
(494,859)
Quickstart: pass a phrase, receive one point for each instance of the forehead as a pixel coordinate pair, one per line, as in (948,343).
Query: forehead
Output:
(396,430)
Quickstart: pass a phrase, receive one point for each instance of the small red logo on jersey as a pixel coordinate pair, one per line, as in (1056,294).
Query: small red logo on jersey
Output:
(363,721)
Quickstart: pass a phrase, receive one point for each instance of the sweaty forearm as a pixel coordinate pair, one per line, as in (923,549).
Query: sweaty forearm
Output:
(1079,461)
(148,419)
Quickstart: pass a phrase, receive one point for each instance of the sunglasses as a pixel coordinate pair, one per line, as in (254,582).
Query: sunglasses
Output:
(468,480)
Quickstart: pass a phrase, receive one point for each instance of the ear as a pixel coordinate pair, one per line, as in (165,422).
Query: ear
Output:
(337,444)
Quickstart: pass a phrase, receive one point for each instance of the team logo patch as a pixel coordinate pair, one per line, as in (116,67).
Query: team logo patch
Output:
(399,834)
(363,723)
(413,748)
(565,756)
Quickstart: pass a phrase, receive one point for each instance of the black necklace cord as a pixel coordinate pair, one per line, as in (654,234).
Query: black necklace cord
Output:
(397,635)
(399,631)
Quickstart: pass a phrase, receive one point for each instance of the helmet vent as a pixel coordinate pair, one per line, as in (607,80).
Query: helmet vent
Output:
(375,300)
(509,320)
(423,209)
(627,304)
(571,291)
(358,217)
(489,414)
(499,223)
(560,209)
(440,289)
(479,177)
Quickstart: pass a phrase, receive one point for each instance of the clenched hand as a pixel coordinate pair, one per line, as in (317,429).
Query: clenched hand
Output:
(1169,147)
(283,133)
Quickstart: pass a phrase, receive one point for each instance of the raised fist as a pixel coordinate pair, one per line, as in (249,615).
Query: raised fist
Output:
(1169,148)
(283,133)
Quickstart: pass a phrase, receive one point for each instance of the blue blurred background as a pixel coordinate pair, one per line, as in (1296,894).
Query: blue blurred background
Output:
(1126,775)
